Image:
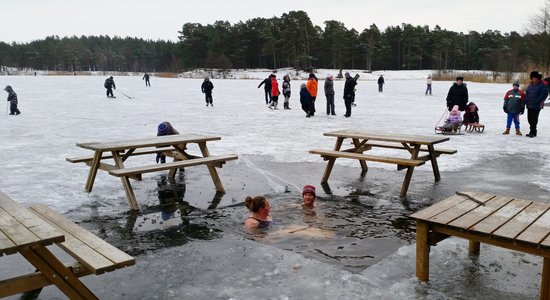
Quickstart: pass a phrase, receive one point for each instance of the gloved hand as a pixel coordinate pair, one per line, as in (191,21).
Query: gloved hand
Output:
(505,109)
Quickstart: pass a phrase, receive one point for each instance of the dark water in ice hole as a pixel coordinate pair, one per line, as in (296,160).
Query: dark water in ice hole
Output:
(354,231)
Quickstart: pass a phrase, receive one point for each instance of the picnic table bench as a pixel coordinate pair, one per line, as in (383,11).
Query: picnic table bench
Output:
(365,141)
(29,231)
(174,146)
(507,222)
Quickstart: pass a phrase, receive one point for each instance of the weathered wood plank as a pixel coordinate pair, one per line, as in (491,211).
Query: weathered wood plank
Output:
(459,210)
(481,212)
(359,156)
(176,164)
(397,146)
(118,257)
(537,231)
(89,158)
(6,245)
(438,208)
(522,220)
(399,138)
(15,231)
(160,141)
(501,216)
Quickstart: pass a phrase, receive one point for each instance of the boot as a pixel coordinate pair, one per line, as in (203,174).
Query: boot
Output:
(507,131)
(518,132)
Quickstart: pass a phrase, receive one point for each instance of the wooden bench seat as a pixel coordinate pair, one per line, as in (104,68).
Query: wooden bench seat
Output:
(438,151)
(374,158)
(210,160)
(95,254)
(88,159)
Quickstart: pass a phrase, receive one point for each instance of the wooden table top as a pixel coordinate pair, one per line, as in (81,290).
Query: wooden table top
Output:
(504,217)
(155,141)
(20,228)
(398,138)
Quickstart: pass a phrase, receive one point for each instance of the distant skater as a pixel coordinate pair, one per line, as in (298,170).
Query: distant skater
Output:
(12,99)
(381,83)
(147,82)
(329,94)
(286,91)
(429,85)
(207,88)
(110,85)
(267,89)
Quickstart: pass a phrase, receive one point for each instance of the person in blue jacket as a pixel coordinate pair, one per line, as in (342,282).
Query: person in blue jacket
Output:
(534,101)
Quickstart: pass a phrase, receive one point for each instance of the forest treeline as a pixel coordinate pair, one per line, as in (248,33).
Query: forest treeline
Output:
(291,40)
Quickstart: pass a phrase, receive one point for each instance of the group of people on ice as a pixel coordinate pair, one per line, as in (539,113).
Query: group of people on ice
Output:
(272,91)
(515,102)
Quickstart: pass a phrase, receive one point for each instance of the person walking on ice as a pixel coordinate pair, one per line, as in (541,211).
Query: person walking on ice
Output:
(329,94)
(513,106)
(381,83)
(146,78)
(110,85)
(267,89)
(428,85)
(207,88)
(12,99)
(286,91)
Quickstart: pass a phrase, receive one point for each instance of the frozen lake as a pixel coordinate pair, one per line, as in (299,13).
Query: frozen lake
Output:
(58,112)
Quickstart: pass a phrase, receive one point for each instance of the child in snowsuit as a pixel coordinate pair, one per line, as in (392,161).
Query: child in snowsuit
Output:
(286,91)
(164,128)
(312,86)
(274,93)
(305,100)
(454,121)
(12,99)
(207,88)
(470,115)
(513,106)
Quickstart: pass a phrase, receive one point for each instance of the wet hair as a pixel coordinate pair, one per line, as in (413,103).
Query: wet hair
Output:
(255,204)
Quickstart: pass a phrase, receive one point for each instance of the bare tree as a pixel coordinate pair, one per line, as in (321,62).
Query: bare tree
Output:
(539,26)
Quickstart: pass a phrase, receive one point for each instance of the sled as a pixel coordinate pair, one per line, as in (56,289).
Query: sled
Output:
(439,126)
(474,127)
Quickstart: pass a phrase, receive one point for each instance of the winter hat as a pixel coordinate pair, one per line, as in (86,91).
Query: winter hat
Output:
(163,128)
(7,88)
(303,86)
(309,189)
(347,74)
(455,109)
(330,76)
(535,74)
(516,83)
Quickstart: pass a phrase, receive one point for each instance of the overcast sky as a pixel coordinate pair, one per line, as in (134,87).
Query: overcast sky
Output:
(27,20)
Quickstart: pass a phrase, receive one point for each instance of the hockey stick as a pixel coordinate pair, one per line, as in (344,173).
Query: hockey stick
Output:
(125,95)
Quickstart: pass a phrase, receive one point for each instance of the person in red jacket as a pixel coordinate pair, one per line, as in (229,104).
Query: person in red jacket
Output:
(312,87)
(274,92)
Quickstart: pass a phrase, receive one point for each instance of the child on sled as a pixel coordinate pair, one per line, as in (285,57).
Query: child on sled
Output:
(453,122)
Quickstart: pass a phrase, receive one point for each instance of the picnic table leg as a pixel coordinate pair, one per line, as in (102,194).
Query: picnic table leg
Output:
(410,170)
(433,159)
(59,275)
(331,161)
(93,171)
(422,251)
(212,169)
(545,283)
(473,247)
(126,182)
(362,162)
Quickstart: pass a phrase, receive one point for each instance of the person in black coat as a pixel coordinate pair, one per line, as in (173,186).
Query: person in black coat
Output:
(349,92)
(381,83)
(12,99)
(267,88)
(110,85)
(207,88)
(146,78)
(458,95)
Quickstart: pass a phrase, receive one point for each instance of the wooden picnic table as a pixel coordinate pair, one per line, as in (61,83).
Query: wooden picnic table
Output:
(170,145)
(366,140)
(25,232)
(508,222)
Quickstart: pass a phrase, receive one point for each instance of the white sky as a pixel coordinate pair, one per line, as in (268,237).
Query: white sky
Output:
(27,20)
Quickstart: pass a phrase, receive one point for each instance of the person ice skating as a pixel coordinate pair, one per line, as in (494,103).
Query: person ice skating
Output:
(458,94)
(349,92)
(110,85)
(312,87)
(164,128)
(329,94)
(12,99)
(308,196)
(259,217)
(274,92)
(207,88)
(267,89)
(381,83)
(454,121)
(286,91)
(305,100)
(471,115)
(146,77)
(534,101)
(429,85)
(513,106)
